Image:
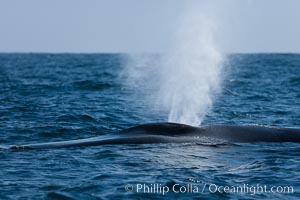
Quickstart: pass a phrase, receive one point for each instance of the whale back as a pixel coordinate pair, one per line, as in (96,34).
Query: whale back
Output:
(252,133)
(178,133)
(230,133)
(165,128)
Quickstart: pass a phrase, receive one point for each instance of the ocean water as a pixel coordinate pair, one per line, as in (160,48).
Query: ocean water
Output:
(52,97)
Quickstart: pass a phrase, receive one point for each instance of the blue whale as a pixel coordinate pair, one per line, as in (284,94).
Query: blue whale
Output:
(179,133)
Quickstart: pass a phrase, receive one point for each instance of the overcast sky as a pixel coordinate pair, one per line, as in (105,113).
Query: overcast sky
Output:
(142,25)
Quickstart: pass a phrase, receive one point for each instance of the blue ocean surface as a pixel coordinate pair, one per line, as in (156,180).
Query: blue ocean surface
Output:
(54,97)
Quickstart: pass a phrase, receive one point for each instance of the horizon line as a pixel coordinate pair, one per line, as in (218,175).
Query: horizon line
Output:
(115,52)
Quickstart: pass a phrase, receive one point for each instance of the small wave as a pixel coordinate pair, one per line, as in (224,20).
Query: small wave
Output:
(72,118)
(295,81)
(3,147)
(91,85)
(255,165)
(59,195)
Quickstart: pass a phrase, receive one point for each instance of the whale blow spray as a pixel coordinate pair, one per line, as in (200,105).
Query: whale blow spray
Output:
(184,80)
(190,73)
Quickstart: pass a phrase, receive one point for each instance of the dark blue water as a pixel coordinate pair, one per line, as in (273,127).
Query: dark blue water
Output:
(52,97)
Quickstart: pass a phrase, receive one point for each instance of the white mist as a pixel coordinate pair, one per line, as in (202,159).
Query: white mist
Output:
(191,70)
(184,80)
